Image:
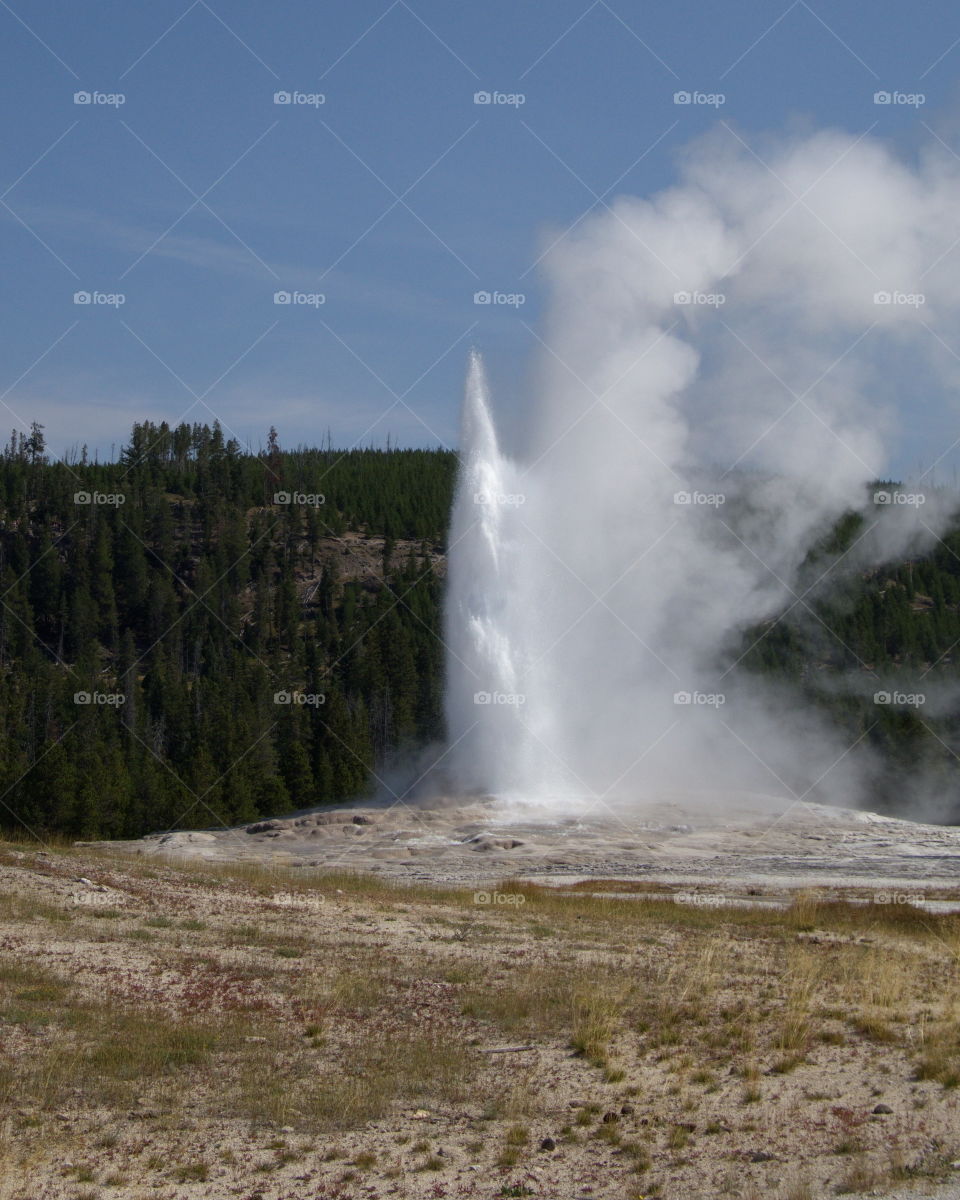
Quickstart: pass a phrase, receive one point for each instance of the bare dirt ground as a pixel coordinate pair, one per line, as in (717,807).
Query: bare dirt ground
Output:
(201,1027)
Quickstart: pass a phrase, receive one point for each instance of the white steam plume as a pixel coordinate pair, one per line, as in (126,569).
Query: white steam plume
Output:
(736,340)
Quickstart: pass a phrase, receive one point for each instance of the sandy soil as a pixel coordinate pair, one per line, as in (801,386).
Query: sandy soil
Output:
(369,1002)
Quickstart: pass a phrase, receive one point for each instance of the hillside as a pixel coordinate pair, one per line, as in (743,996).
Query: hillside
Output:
(154,609)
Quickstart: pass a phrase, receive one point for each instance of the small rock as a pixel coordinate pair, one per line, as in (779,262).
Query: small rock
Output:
(421,1115)
(761,1156)
(882,1110)
(548,1144)
(361,820)
(263,826)
(287,1129)
(626,1110)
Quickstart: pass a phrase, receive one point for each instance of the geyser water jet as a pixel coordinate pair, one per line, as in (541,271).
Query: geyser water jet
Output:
(488,636)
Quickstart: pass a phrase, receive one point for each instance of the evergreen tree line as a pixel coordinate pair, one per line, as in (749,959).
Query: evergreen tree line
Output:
(186,638)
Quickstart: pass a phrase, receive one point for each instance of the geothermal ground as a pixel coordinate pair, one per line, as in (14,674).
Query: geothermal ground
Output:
(719,842)
(179,1028)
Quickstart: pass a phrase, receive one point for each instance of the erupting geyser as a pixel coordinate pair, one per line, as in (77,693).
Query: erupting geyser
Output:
(716,391)
(487,628)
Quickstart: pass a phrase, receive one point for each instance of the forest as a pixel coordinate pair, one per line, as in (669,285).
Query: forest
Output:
(194,635)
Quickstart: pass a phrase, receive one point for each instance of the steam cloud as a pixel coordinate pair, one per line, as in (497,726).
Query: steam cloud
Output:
(717,386)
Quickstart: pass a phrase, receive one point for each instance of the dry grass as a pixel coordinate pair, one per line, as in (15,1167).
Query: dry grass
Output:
(212,998)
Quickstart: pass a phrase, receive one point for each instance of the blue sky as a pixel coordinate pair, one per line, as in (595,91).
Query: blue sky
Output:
(397,198)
